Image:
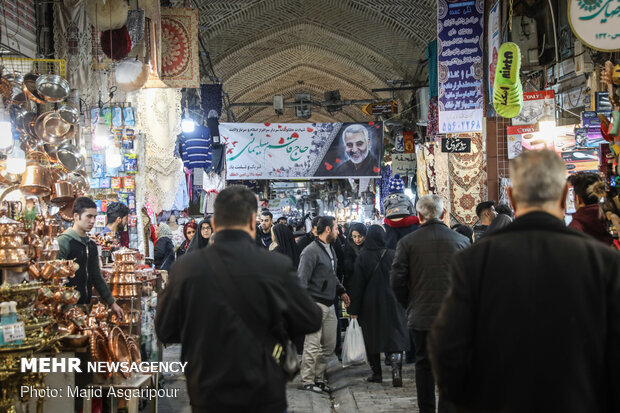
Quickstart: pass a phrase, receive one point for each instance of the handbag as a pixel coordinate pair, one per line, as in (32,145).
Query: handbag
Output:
(284,353)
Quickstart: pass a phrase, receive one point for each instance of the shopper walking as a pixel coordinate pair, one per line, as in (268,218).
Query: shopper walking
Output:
(589,189)
(307,239)
(380,315)
(541,334)
(357,234)
(420,279)
(284,243)
(230,367)
(164,248)
(189,231)
(485,211)
(263,231)
(203,235)
(317,273)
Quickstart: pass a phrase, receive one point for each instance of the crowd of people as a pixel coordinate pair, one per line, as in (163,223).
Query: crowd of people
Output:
(519,313)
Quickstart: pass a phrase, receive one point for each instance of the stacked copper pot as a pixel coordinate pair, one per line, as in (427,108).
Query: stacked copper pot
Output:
(13,252)
(123,282)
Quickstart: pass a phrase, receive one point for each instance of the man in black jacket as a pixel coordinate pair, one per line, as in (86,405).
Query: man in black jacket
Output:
(229,368)
(419,277)
(532,319)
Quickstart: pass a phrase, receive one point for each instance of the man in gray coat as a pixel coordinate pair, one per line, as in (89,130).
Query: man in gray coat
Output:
(317,273)
(420,280)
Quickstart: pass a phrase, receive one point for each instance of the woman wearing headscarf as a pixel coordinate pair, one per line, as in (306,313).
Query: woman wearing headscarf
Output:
(355,241)
(203,234)
(373,302)
(164,248)
(189,231)
(284,241)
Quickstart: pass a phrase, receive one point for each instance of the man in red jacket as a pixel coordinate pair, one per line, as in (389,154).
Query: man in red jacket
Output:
(589,189)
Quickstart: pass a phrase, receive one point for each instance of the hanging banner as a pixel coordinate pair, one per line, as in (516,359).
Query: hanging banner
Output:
(302,150)
(460,25)
(493,46)
(403,163)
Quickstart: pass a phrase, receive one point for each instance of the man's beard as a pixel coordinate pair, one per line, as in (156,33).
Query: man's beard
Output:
(360,159)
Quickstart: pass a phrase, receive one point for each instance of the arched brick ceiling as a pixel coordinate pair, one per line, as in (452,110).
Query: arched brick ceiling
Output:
(260,47)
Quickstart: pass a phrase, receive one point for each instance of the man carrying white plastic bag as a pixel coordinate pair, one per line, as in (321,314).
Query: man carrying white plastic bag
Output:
(353,348)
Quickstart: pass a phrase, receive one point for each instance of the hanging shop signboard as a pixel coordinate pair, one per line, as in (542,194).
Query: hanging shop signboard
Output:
(381,108)
(596,23)
(403,163)
(493,46)
(537,107)
(460,26)
(456,145)
(302,150)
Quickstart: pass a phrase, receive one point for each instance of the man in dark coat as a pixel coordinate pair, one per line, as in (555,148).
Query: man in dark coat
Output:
(485,211)
(420,279)
(532,319)
(228,367)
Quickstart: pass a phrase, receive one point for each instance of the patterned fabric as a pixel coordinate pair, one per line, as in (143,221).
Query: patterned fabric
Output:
(396,184)
(429,155)
(384,185)
(432,126)
(431,55)
(421,167)
(179,37)
(442,179)
(467,180)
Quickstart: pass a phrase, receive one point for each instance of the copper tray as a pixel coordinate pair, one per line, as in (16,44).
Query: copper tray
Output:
(123,353)
(99,349)
(134,350)
(113,339)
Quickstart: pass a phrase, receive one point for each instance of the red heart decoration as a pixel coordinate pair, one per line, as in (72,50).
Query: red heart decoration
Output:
(371,123)
(337,160)
(269,136)
(277,170)
(270,155)
(376,169)
(279,126)
(267,124)
(295,135)
(309,129)
(281,141)
(377,126)
(328,166)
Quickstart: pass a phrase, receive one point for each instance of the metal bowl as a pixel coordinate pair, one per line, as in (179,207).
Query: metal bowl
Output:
(70,157)
(69,114)
(52,88)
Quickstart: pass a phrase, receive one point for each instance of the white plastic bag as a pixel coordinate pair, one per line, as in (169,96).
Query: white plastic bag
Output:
(353,348)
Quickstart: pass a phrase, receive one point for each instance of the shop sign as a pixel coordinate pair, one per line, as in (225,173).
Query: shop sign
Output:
(460,35)
(302,150)
(381,108)
(493,46)
(408,142)
(456,145)
(596,23)
(403,163)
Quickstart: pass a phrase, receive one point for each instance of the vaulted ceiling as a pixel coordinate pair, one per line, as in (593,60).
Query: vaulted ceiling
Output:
(260,48)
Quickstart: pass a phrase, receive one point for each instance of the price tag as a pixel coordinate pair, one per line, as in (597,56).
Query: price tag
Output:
(13,332)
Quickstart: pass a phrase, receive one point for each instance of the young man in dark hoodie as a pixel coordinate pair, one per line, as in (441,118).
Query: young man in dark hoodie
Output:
(76,245)
(399,217)
(589,189)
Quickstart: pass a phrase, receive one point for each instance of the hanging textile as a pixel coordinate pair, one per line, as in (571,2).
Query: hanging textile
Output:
(196,148)
(73,43)
(211,96)
(431,55)
(442,179)
(422,180)
(467,180)
(179,37)
(384,185)
(432,125)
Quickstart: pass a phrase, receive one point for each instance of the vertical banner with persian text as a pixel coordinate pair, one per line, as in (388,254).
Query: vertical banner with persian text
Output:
(460,25)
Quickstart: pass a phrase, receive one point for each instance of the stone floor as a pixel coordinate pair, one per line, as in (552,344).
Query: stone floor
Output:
(350,392)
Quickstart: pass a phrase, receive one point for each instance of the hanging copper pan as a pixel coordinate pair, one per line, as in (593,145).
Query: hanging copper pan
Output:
(52,88)
(62,192)
(70,157)
(29,86)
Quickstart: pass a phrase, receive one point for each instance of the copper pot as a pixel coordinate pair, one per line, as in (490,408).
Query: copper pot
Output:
(35,180)
(13,256)
(47,272)
(62,193)
(33,271)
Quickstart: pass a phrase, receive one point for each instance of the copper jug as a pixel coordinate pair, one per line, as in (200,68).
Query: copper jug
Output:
(35,180)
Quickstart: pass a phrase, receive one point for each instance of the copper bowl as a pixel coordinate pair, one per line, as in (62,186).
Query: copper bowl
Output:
(75,340)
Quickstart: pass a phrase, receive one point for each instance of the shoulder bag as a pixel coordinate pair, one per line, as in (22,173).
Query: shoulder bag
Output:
(284,354)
